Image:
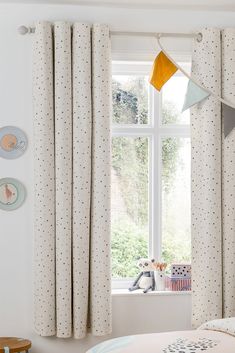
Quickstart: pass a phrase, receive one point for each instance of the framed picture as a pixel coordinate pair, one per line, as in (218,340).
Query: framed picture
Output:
(13,142)
(12,194)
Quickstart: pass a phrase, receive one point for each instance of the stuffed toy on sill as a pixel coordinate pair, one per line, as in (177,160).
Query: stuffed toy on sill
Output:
(145,279)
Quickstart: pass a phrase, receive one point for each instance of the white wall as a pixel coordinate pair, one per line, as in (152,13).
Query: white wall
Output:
(131,313)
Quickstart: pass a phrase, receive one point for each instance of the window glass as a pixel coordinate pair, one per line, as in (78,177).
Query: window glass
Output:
(130,99)
(173,93)
(129,204)
(148,157)
(176,223)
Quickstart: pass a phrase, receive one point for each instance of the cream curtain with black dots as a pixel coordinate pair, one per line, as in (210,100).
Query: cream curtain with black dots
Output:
(213,181)
(71,97)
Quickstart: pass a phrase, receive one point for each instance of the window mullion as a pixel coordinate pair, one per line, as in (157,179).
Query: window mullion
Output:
(151,196)
(156,182)
(134,131)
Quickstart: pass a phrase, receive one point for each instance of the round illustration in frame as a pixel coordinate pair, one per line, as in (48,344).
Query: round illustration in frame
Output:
(13,142)
(12,194)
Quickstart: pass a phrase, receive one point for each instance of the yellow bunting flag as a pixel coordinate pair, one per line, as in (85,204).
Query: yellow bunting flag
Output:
(162,71)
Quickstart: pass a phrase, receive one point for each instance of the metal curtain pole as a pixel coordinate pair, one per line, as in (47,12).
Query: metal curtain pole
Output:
(198,36)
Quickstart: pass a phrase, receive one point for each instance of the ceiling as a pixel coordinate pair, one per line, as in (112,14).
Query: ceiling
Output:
(211,5)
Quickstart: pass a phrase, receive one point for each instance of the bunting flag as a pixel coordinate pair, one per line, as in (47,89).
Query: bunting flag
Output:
(162,71)
(194,95)
(229,118)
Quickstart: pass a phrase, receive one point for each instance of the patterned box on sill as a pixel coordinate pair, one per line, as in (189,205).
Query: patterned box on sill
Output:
(181,270)
(177,283)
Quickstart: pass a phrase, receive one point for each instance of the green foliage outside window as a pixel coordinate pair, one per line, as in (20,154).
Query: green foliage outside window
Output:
(128,244)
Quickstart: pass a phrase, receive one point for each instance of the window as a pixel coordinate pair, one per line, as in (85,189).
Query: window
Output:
(150,201)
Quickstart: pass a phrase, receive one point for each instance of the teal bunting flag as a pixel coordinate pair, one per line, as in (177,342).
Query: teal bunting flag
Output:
(229,118)
(194,95)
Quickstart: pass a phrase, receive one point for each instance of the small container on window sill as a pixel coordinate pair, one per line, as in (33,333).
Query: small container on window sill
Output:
(181,270)
(160,282)
(159,275)
(174,283)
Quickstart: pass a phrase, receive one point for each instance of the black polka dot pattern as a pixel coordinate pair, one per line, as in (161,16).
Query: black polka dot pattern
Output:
(44,180)
(63,176)
(186,346)
(72,110)
(228,177)
(100,289)
(213,182)
(82,127)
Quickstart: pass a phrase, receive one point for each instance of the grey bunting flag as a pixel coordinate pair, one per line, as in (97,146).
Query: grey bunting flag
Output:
(229,118)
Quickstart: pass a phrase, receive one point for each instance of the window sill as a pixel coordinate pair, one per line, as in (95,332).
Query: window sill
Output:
(126,292)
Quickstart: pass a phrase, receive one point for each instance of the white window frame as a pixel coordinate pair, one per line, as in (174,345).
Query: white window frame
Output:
(155,131)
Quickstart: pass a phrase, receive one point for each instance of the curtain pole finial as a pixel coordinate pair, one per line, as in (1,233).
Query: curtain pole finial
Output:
(24,30)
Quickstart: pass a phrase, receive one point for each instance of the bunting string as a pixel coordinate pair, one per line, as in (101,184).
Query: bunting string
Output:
(164,67)
(224,101)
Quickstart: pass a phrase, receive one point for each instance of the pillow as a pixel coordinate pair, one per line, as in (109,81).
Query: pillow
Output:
(223,325)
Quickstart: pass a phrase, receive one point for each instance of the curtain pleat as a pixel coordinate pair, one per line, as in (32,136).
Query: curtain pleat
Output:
(72,107)
(228,177)
(63,176)
(213,194)
(82,123)
(100,291)
(44,181)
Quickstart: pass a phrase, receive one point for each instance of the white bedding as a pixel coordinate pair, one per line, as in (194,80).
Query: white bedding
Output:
(216,336)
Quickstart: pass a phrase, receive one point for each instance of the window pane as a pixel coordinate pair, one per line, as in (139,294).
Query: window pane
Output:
(176,222)
(130,99)
(173,94)
(129,204)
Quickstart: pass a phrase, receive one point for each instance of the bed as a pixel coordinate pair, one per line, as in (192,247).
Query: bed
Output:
(217,336)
